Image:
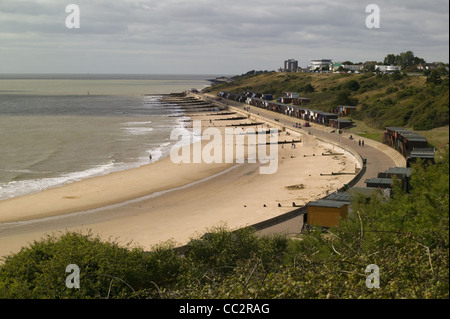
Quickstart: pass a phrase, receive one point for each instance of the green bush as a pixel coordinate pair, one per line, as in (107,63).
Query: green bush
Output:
(106,269)
(352,85)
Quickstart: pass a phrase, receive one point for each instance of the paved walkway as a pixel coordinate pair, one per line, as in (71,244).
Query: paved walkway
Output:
(379,157)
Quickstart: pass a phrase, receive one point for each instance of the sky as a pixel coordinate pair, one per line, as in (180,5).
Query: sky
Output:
(223,37)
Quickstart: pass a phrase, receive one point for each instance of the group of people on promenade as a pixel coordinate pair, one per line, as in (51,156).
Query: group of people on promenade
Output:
(361,142)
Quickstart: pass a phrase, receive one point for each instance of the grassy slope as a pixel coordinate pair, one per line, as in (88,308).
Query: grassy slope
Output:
(382,100)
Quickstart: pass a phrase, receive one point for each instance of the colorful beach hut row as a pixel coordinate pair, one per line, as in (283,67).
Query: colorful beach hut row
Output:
(293,98)
(241,98)
(296,111)
(268,97)
(410,144)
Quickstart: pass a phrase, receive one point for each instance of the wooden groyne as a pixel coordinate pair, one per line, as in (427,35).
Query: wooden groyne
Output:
(189,104)
(245,124)
(233,118)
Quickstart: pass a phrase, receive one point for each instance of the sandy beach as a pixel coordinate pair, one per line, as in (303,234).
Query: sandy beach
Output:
(166,201)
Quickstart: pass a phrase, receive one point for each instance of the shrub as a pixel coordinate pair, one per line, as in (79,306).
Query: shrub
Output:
(106,269)
(352,85)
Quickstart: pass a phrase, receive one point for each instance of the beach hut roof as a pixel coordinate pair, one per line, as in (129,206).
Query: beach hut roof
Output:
(398,129)
(300,108)
(328,113)
(342,120)
(379,181)
(414,137)
(422,153)
(328,203)
(407,171)
(340,197)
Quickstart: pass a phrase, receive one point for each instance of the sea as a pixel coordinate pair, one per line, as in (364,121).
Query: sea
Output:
(61,128)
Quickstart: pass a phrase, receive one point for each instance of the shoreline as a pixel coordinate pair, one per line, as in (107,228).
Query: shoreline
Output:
(191,198)
(116,205)
(124,141)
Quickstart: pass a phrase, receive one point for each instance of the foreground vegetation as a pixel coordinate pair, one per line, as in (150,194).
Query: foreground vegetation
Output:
(407,237)
(415,102)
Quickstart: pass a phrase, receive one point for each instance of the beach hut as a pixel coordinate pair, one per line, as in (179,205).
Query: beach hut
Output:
(379,182)
(344,110)
(398,172)
(326,213)
(286,100)
(402,174)
(301,101)
(325,117)
(425,154)
(298,112)
(276,107)
(403,140)
(408,141)
(391,136)
(311,115)
(291,95)
(341,123)
(289,110)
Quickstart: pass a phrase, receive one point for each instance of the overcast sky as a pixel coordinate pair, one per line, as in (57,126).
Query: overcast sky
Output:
(212,36)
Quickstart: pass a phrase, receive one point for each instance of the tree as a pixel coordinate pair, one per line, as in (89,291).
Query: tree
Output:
(390,59)
(352,85)
(434,77)
(404,59)
(369,68)
(344,98)
(308,88)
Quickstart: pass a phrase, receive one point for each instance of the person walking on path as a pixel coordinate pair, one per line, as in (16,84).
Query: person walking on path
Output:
(362,143)
(359,142)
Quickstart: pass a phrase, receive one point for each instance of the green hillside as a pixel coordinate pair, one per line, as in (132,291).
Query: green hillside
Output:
(415,102)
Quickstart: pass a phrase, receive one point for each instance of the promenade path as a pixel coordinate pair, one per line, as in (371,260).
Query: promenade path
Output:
(379,157)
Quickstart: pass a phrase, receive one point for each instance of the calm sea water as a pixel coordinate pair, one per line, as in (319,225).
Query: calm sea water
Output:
(56,129)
